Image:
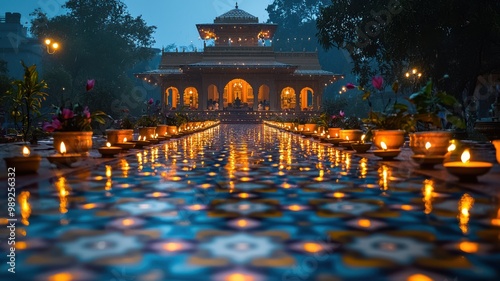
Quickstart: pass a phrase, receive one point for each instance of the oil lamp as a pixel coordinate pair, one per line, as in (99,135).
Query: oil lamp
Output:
(467,170)
(25,164)
(385,153)
(63,159)
(109,151)
(125,145)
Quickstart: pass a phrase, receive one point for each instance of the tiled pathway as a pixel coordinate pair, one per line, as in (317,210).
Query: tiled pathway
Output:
(248,202)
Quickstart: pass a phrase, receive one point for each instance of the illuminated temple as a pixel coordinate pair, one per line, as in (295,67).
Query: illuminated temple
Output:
(239,70)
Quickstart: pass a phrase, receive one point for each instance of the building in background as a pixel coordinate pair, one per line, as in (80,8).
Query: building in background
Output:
(239,70)
(16,45)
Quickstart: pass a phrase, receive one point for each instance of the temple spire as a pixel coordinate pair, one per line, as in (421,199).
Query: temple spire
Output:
(236,5)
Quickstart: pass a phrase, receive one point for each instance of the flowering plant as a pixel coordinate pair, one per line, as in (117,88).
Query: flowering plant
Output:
(76,118)
(151,116)
(337,121)
(125,121)
(393,116)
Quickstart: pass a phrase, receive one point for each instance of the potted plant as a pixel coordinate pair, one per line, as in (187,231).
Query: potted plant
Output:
(147,122)
(73,126)
(351,129)
(433,109)
(27,96)
(125,129)
(392,122)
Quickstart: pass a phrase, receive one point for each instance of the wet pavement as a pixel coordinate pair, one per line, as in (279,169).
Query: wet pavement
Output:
(249,202)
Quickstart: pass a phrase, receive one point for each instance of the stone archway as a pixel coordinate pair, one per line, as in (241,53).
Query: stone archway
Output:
(191,97)
(288,100)
(212,97)
(172,98)
(306,99)
(263,96)
(238,93)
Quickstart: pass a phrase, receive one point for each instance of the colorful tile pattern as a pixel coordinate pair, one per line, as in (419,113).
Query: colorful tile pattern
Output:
(248,202)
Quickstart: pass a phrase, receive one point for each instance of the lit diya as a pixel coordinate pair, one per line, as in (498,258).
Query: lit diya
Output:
(427,160)
(361,146)
(347,143)
(63,159)
(466,170)
(26,164)
(141,142)
(154,139)
(333,140)
(386,154)
(109,151)
(125,145)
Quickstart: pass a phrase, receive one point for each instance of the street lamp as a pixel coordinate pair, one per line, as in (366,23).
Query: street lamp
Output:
(414,76)
(52,47)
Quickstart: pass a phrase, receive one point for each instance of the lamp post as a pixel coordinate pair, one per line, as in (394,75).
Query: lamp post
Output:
(52,46)
(414,77)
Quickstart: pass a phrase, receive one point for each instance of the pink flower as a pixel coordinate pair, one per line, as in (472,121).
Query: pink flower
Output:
(86,112)
(350,86)
(378,82)
(47,127)
(90,84)
(56,124)
(151,101)
(341,113)
(67,113)
(50,127)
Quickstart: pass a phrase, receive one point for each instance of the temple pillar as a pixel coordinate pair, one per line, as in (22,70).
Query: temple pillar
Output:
(273,96)
(297,99)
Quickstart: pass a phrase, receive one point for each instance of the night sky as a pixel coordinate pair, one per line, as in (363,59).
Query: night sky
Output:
(175,20)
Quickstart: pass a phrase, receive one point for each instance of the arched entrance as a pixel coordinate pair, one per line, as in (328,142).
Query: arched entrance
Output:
(191,97)
(306,99)
(172,98)
(264,96)
(213,97)
(238,94)
(288,100)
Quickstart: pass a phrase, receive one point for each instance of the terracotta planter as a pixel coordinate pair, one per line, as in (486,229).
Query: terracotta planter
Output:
(172,130)
(75,142)
(496,143)
(394,139)
(161,130)
(117,136)
(334,132)
(353,135)
(147,132)
(439,140)
(310,127)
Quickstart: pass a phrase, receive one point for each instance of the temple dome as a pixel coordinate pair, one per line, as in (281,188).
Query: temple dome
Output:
(236,15)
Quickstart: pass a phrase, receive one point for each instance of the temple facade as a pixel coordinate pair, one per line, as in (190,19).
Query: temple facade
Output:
(239,70)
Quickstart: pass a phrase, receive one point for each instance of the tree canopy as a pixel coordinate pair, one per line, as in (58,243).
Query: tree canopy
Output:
(458,38)
(99,40)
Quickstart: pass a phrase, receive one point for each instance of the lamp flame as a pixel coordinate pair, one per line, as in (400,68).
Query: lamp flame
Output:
(124,139)
(108,144)
(26,151)
(383,145)
(452,147)
(347,138)
(427,145)
(465,156)
(62,148)
(363,137)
